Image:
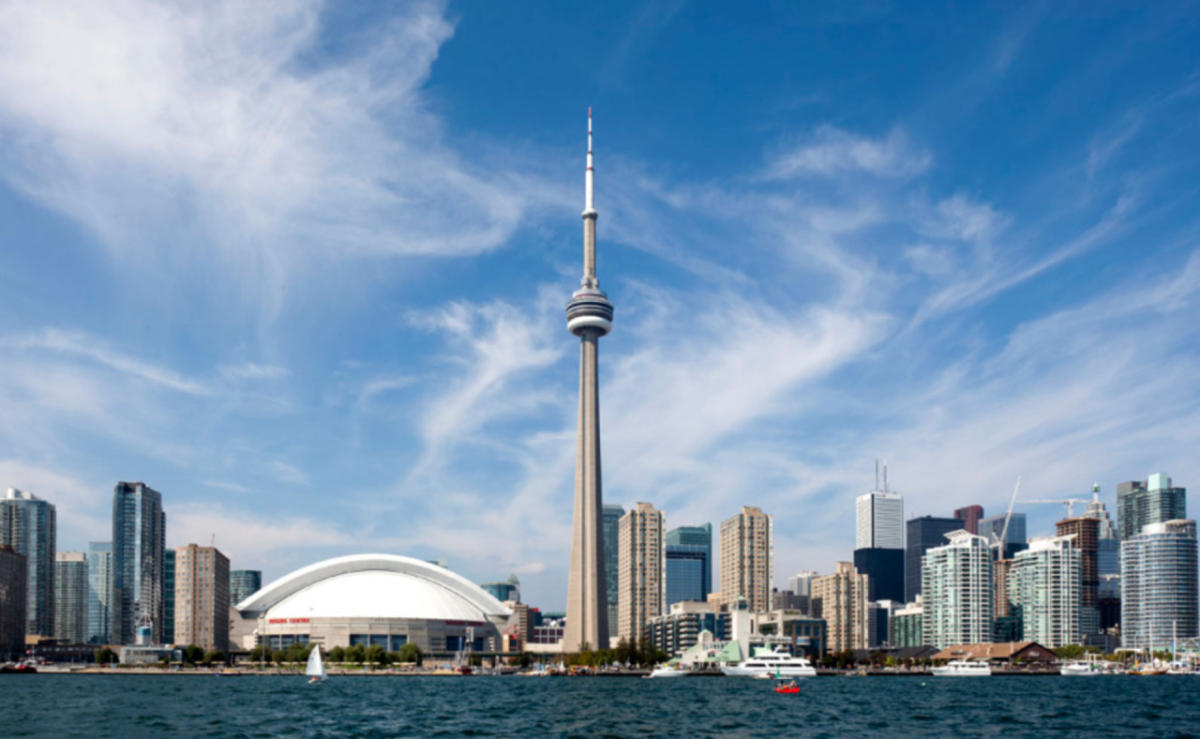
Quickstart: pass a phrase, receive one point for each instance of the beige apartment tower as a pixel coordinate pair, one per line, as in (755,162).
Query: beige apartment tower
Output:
(202,597)
(841,599)
(589,316)
(641,570)
(748,558)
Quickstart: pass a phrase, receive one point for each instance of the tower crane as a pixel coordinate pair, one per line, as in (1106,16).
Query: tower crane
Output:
(999,543)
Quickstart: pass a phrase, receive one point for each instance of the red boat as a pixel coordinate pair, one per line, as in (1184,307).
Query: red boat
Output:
(787,687)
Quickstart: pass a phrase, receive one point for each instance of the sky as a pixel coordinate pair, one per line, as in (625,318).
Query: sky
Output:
(302,268)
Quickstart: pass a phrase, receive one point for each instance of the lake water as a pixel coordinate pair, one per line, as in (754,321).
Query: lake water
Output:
(135,705)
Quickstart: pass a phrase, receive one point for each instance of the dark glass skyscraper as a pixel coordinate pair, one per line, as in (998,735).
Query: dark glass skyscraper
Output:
(99,558)
(992,527)
(610,518)
(1152,501)
(689,563)
(244,583)
(139,540)
(922,534)
(168,627)
(28,525)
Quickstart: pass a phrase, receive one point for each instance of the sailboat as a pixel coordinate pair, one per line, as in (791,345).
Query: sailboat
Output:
(316,668)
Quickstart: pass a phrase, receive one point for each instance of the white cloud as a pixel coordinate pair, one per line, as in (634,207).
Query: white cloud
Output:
(252,371)
(288,473)
(834,151)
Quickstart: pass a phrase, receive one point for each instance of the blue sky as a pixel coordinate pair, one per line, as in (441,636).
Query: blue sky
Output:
(303,268)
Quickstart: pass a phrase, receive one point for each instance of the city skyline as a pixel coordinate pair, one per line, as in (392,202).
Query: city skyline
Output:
(977,270)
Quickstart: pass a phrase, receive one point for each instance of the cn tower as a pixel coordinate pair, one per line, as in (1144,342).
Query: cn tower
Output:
(589,316)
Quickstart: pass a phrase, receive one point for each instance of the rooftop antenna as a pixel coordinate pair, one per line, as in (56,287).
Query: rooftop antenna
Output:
(885,487)
(877,474)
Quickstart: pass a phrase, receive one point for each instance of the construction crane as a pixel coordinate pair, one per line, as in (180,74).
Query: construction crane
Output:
(1067,503)
(999,543)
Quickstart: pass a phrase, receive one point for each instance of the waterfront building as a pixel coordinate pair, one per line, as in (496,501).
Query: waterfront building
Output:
(589,316)
(1153,501)
(841,600)
(641,563)
(169,571)
(956,584)
(27,524)
(610,518)
(748,558)
(970,516)
(679,628)
(1158,585)
(689,563)
(378,599)
(70,597)
(1085,536)
(907,624)
(923,532)
(991,527)
(13,594)
(245,583)
(202,597)
(879,543)
(99,559)
(139,530)
(1045,588)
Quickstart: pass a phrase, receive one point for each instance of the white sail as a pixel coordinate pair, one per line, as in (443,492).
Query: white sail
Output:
(316,668)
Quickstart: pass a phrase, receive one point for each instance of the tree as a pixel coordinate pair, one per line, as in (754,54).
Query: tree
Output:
(337,654)
(410,653)
(1069,651)
(376,654)
(356,653)
(105,656)
(523,660)
(214,655)
(260,653)
(193,653)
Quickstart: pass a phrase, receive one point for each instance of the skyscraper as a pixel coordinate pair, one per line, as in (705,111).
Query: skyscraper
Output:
(748,558)
(168,622)
(1108,547)
(641,545)
(879,520)
(13,571)
(99,559)
(689,563)
(841,599)
(1044,588)
(923,532)
(801,585)
(589,316)
(970,516)
(70,597)
(202,597)
(1152,501)
(956,591)
(1083,533)
(244,583)
(1158,585)
(992,527)
(139,537)
(611,515)
(28,525)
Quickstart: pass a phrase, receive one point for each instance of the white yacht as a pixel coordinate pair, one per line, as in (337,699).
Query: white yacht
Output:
(1080,669)
(668,670)
(963,668)
(769,663)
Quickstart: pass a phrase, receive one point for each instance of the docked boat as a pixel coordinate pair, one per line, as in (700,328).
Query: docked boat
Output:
(667,670)
(315,668)
(1080,669)
(771,663)
(963,668)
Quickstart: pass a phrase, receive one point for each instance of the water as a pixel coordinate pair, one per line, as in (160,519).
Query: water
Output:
(187,705)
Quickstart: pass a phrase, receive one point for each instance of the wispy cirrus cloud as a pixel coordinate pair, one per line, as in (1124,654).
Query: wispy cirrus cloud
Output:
(834,151)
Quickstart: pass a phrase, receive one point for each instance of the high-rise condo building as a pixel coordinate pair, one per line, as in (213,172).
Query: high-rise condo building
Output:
(923,533)
(611,515)
(202,597)
(641,561)
(907,625)
(1152,501)
(1083,533)
(27,524)
(99,560)
(1158,585)
(970,516)
(70,597)
(589,316)
(748,558)
(1045,590)
(13,593)
(992,527)
(956,591)
(139,530)
(841,599)
(689,563)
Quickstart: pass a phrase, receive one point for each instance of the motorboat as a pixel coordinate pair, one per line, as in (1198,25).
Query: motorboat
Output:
(771,663)
(963,668)
(1080,669)
(667,670)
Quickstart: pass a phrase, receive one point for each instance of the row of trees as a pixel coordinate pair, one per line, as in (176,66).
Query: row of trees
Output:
(358,654)
(631,652)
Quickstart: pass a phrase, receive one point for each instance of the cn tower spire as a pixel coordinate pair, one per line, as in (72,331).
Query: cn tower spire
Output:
(589,316)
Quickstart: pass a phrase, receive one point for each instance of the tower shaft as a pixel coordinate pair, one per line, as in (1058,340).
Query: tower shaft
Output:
(589,316)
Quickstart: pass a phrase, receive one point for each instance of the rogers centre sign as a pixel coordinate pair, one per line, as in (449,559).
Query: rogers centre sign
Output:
(287,621)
